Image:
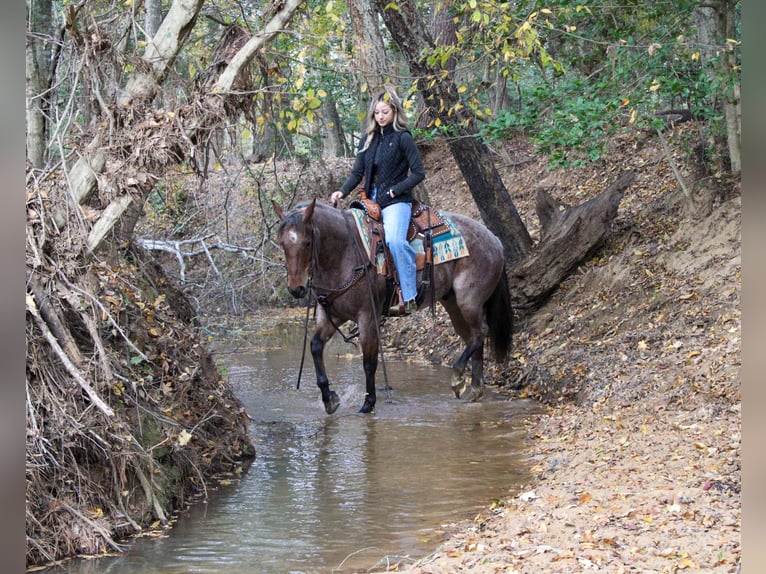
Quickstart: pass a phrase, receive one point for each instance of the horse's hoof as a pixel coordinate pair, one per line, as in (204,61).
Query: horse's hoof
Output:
(368,406)
(473,394)
(331,405)
(458,388)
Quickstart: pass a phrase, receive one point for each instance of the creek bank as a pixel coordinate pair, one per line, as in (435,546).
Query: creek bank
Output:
(637,460)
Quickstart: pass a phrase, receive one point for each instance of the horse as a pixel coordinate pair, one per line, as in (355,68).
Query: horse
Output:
(324,257)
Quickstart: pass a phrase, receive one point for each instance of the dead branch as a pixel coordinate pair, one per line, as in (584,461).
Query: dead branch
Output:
(108,315)
(62,355)
(674,167)
(150,495)
(177,249)
(97,527)
(52,320)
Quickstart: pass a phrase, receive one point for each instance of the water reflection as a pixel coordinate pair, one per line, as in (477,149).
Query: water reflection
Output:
(344,489)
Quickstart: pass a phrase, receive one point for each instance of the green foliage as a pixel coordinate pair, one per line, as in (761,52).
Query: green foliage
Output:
(586,71)
(570,123)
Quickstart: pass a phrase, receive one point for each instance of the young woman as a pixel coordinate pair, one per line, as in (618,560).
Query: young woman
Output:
(389,163)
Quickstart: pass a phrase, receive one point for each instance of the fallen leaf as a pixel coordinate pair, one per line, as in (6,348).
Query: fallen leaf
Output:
(686,563)
(184,437)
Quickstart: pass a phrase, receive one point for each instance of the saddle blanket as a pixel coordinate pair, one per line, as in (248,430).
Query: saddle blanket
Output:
(446,247)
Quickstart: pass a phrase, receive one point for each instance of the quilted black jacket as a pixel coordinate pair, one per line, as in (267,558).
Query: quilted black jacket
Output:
(391,162)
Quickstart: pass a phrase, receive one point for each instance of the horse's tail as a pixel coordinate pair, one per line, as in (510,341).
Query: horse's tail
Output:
(499,314)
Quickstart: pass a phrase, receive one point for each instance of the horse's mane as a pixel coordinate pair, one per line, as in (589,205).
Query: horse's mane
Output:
(295,215)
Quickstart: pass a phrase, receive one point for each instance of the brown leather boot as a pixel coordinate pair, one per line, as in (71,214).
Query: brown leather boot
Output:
(400,310)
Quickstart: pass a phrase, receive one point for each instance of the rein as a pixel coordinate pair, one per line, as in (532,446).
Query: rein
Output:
(327,296)
(326,299)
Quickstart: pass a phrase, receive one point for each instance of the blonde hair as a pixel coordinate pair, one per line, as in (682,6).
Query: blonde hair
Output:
(389,96)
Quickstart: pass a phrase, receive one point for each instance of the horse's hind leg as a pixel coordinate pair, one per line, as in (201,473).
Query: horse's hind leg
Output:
(473,337)
(477,376)
(325,330)
(474,352)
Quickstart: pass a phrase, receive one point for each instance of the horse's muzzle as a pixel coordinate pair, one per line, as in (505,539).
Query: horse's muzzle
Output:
(298,292)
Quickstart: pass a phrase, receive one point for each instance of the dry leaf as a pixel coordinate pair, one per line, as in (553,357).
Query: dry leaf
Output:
(184,437)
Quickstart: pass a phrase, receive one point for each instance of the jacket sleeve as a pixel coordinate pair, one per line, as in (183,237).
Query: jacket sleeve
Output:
(357,171)
(417,171)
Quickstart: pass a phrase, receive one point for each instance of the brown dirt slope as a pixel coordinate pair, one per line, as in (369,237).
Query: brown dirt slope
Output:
(637,356)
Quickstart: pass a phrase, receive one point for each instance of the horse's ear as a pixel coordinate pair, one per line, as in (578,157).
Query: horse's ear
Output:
(278,209)
(309,211)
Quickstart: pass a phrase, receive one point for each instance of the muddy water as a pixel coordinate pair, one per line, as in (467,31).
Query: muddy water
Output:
(339,493)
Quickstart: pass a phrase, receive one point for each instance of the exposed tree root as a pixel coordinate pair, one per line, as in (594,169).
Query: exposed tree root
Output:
(127,415)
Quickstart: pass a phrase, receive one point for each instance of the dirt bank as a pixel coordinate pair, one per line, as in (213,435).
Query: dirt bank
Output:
(637,356)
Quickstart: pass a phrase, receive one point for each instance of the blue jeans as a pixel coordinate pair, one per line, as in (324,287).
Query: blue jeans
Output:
(396,220)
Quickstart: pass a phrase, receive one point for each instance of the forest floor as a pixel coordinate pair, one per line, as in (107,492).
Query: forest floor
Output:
(636,357)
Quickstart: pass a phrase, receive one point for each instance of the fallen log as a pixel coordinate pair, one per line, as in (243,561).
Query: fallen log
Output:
(567,238)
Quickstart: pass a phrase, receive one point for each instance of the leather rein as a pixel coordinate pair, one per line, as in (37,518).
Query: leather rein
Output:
(325,296)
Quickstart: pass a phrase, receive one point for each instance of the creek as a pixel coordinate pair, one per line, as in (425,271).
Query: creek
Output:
(340,493)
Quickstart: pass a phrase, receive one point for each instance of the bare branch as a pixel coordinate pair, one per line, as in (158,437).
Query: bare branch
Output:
(245,54)
(68,364)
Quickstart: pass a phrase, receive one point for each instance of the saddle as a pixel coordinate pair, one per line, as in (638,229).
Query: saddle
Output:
(425,223)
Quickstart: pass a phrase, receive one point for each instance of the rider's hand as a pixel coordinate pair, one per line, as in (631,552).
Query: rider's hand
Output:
(336,197)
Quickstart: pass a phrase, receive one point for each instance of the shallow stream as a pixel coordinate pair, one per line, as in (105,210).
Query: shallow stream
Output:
(338,493)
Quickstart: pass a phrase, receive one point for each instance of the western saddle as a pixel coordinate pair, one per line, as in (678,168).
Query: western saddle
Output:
(425,224)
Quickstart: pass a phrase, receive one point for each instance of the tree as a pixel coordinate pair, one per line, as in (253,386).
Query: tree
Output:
(39,43)
(440,94)
(372,66)
(715,30)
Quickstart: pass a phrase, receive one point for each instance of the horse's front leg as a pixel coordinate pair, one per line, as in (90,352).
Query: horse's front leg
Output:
(368,337)
(325,330)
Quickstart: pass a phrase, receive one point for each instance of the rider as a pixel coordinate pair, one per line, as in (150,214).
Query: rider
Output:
(389,162)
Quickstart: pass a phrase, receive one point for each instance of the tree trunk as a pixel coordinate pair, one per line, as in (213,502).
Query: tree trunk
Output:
(334,143)
(153,17)
(471,155)
(500,100)
(35,118)
(161,52)
(370,54)
(38,67)
(733,103)
(715,24)
(568,236)
(443,30)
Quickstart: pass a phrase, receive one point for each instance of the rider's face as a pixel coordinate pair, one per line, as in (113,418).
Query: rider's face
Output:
(384,114)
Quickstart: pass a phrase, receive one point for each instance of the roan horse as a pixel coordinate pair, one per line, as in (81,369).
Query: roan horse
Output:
(323,254)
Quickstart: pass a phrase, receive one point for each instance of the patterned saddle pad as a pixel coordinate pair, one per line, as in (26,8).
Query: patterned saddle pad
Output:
(447,241)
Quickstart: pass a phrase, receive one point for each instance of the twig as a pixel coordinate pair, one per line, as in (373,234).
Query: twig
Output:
(149,491)
(339,566)
(387,561)
(107,315)
(97,527)
(70,367)
(673,166)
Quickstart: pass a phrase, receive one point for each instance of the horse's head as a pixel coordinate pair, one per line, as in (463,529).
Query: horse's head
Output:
(296,236)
